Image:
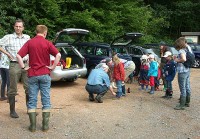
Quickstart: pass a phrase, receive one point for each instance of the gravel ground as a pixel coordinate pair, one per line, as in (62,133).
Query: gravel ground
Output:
(139,115)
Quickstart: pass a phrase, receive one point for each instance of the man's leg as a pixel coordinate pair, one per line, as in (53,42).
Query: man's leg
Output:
(103,90)
(45,84)
(91,95)
(32,103)
(24,78)
(14,73)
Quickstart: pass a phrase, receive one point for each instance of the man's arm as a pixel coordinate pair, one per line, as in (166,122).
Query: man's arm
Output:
(57,59)
(21,63)
(8,54)
(111,89)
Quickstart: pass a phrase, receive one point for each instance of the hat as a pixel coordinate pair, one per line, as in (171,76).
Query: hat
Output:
(107,60)
(151,56)
(168,53)
(144,57)
(104,66)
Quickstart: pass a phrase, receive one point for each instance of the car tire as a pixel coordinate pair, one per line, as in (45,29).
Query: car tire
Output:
(196,63)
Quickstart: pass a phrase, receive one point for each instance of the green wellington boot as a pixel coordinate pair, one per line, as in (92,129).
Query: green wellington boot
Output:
(181,106)
(45,121)
(187,104)
(32,117)
(13,114)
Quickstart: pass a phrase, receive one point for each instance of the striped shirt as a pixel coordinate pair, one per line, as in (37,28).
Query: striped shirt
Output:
(13,43)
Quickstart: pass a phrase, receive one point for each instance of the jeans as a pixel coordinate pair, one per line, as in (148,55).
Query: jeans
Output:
(39,83)
(119,88)
(169,85)
(5,81)
(96,89)
(184,83)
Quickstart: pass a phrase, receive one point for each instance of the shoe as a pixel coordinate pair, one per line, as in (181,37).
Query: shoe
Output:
(98,98)
(91,97)
(3,98)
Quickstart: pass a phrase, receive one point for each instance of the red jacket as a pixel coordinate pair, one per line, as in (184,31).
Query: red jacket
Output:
(118,72)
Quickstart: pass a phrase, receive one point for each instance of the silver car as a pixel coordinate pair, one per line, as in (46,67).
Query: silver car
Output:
(72,64)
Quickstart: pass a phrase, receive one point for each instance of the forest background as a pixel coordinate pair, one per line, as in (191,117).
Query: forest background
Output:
(158,20)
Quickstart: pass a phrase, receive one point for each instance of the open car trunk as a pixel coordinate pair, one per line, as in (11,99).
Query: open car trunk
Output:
(70,57)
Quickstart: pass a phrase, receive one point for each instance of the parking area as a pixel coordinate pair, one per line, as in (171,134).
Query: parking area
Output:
(139,115)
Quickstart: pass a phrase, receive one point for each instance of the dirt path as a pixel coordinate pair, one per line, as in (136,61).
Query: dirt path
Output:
(139,115)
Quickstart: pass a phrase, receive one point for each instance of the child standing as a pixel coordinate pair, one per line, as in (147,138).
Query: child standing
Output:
(143,78)
(153,72)
(169,72)
(118,75)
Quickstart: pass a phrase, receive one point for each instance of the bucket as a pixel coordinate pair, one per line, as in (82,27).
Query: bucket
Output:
(68,62)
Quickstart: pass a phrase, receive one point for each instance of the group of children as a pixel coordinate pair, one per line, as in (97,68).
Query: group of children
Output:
(151,72)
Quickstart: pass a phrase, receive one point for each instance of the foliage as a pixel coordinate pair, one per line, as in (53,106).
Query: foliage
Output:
(105,19)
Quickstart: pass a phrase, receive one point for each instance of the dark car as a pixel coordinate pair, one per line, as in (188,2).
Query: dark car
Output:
(196,50)
(94,52)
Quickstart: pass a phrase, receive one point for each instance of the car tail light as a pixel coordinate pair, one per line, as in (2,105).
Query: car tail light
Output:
(52,61)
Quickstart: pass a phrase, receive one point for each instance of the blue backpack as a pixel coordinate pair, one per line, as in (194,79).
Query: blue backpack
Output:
(190,58)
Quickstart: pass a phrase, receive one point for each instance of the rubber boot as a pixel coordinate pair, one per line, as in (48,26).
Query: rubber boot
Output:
(166,94)
(32,117)
(170,94)
(152,90)
(91,97)
(147,88)
(181,106)
(99,97)
(45,121)
(142,87)
(187,104)
(13,114)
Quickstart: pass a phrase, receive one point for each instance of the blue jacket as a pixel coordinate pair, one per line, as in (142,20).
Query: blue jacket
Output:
(169,70)
(153,69)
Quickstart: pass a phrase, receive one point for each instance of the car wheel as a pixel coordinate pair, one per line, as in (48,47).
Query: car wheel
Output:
(196,63)
(71,80)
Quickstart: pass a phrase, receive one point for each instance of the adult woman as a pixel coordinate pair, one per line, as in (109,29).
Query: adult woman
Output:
(183,73)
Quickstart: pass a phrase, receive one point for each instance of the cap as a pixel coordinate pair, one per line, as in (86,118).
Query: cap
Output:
(104,66)
(144,57)
(151,56)
(168,53)
(107,60)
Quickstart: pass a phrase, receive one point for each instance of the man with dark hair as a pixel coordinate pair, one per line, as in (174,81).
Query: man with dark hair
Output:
(39,69)
(12,44)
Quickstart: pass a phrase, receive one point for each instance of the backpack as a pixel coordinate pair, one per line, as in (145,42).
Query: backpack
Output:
(190,58)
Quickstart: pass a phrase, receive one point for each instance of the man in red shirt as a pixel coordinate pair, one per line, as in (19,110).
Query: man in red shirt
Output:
(39,50)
